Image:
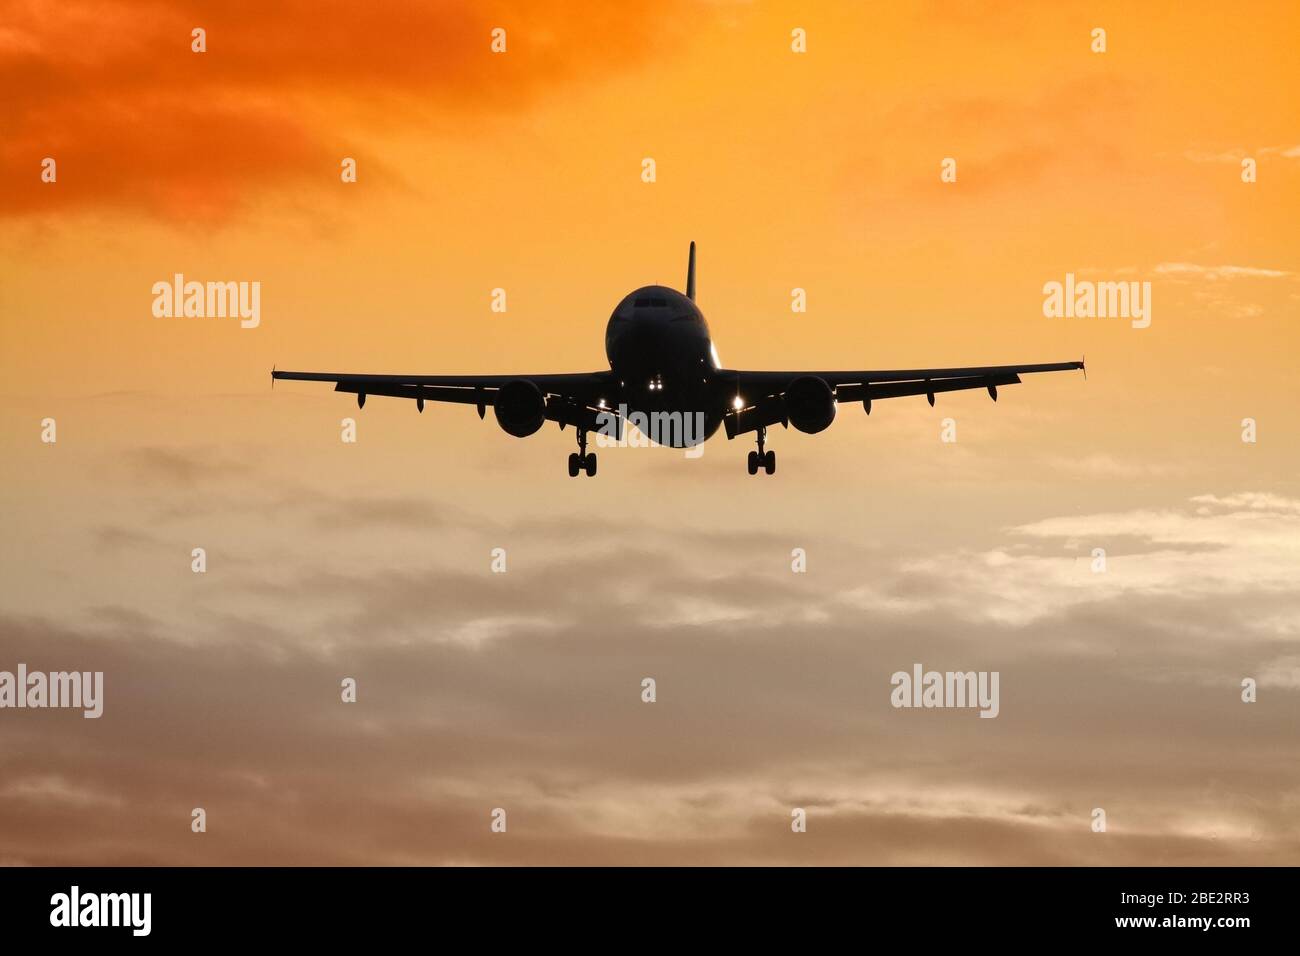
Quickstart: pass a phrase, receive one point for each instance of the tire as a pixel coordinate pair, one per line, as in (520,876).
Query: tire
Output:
(573,465)
(769,463)
(753,463)
(591,465)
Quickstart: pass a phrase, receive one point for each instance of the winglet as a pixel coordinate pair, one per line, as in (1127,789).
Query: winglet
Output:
(1083,364)
(273,378)
(690,275)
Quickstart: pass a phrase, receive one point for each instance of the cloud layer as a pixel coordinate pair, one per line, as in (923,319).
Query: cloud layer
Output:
(138,122)
(522,690)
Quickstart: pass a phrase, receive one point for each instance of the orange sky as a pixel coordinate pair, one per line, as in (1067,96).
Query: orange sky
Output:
(522,171)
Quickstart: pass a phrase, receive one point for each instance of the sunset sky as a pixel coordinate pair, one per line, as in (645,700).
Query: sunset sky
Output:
(522,170)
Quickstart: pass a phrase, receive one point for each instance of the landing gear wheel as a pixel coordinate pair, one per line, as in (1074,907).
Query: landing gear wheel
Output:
(762,458)
(580,460)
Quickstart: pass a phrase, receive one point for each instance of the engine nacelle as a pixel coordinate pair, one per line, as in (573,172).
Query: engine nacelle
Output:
(810,404)
(520,408)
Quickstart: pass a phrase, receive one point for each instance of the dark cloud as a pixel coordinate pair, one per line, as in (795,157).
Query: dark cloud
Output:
(138,122)
(522,691)
(182,467)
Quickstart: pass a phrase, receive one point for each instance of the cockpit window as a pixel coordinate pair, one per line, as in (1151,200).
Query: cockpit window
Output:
(651,302)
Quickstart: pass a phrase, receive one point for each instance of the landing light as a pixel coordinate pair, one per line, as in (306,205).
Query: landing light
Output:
(738,403)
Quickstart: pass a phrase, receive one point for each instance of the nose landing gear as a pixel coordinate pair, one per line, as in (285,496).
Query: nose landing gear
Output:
(581,461)
(762,459)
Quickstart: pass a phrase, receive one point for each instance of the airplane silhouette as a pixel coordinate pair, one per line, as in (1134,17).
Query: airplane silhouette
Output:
(664,369)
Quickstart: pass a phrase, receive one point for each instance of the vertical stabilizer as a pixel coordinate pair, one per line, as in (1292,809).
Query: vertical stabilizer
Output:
(690,275)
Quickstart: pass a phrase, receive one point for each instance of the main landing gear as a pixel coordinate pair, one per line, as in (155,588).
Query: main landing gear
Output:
(761,459)
(581,461)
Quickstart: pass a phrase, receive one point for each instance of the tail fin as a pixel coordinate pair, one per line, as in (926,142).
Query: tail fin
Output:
(690,275)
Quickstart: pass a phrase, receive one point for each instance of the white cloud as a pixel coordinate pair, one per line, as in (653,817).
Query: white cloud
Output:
(1252,500)
(1233,546)
(1237,155)
(1106,466)
(1217,272)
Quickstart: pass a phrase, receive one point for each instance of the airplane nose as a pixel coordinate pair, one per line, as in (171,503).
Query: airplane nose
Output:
(642,331)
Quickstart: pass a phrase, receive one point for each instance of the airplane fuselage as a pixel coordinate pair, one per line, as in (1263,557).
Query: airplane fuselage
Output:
(659,348)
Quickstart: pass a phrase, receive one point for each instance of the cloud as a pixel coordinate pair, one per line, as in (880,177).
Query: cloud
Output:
(137,122)
(1237,155)
(1217,272)
(182,467)
(522,691)
(1210,285)
(1107,466)
(1282,672)
(1243,548)
(1251,500)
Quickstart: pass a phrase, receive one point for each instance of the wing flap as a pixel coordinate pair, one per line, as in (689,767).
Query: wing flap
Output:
(870,391)
(764,383)
(427,393)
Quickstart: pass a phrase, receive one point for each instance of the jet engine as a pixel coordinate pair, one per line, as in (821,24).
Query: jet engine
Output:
(809,404)
(520,408)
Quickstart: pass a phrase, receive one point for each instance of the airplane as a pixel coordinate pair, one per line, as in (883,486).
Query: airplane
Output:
(663,366)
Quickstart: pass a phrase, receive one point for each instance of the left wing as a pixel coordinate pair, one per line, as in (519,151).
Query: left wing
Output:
(760,393)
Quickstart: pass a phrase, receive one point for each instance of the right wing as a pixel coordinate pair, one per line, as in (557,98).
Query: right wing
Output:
(760,395)
(854,386)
